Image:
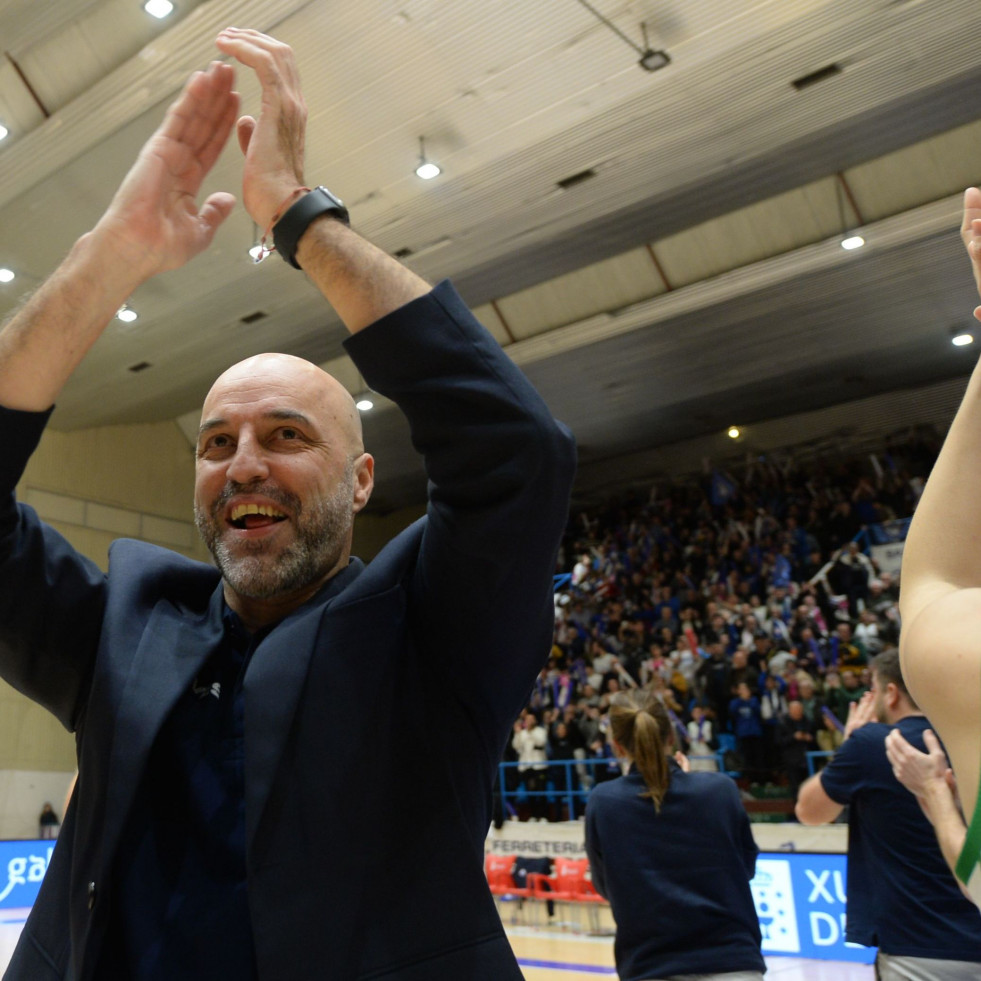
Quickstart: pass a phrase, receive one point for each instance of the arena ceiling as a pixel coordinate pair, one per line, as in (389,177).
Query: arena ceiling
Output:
(659,251)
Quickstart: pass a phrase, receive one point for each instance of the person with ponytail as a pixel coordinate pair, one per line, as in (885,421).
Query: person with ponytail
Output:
(673,853)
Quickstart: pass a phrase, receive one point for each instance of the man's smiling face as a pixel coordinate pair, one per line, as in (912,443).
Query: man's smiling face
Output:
(280,474)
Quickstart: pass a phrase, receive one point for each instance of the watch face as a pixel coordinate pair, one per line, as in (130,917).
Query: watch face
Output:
(333,197)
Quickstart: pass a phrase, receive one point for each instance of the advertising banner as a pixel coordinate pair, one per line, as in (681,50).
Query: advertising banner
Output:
(800,900)
(800,897)
(22,867)
(889,558)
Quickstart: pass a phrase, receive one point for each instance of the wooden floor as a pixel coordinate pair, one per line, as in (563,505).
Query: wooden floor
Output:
(553,955)
(558,956)
(11,923)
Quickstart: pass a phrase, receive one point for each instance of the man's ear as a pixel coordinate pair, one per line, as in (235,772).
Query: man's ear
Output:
(364,480)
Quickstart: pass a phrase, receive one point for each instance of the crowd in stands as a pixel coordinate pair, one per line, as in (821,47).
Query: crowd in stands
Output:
(747,602)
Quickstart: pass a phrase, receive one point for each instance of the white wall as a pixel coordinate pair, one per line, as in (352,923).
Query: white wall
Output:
(22,795)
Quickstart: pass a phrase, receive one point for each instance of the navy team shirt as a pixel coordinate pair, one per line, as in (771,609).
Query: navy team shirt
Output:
(902,897)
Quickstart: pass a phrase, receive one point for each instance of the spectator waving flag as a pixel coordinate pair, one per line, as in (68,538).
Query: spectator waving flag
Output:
(723,488)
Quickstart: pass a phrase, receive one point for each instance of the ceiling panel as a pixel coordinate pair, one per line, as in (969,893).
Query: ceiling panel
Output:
(717,161)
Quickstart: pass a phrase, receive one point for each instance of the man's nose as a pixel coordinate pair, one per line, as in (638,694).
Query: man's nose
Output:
(249,462)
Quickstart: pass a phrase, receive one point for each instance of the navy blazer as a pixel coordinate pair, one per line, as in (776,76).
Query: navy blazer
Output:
(374,718)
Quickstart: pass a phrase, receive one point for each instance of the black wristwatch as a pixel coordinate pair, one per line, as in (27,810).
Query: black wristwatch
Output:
(289,229)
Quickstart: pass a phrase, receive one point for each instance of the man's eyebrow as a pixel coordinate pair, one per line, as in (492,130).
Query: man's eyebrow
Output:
(279,415)
(209,424)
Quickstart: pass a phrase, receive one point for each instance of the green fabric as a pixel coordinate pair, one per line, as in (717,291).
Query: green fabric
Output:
(971,852)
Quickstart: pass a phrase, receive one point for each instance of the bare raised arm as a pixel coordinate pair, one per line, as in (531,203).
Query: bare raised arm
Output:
(940,599)
(360,281)
(153,224)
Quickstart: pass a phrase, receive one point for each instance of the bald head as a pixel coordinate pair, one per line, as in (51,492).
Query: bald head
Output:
(281,472)
(269,375)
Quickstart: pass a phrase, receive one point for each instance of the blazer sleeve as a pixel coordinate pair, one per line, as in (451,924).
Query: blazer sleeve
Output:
(51,598)
(500,471)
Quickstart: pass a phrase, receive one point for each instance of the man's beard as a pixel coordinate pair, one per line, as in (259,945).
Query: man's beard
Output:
(251,570)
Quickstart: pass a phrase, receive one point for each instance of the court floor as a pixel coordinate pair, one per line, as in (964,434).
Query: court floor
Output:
(557,956)
(11,923)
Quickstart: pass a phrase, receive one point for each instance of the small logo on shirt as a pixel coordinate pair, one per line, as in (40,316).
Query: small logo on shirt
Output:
(202,691)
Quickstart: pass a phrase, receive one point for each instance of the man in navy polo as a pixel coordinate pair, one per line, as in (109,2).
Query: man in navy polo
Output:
(901,896)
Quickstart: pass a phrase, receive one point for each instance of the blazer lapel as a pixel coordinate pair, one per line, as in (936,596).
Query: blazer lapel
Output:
(174,647)
(272,686)
(273,682)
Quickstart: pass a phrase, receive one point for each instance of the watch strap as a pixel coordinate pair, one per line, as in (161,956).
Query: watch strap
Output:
(288,231)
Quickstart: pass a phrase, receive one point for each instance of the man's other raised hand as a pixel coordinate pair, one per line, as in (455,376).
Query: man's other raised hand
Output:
(154,222)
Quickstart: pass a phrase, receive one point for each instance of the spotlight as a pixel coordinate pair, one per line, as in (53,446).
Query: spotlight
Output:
(3,131)
(126,315)
(852,242)
(426,169)
(961,338)
(6,275)
(651,60)
(158,8)
(733,432)
(364,404)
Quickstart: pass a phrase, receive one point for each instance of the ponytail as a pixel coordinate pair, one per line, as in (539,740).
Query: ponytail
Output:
(640,724)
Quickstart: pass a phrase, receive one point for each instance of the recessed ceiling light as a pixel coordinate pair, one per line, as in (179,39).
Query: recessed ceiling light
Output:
(3,131)
(126,315)
(364,405)
(962,338)
(158,8)
(852,242)
(6,275)
(733,432)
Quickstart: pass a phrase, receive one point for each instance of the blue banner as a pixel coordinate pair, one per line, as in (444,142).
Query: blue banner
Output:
(22,867)
(889,531)
(800,900)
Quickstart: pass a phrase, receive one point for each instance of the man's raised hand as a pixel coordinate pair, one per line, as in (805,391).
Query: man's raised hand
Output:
(154,222)
(274,144)
(860,713)
(971,235)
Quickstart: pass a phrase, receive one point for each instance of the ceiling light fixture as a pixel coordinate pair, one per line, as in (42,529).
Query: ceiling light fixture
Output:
(364,404)
(158,8)
(960,337)
(258,250)
(650,59)
(733,432)
(849,240)
(7,275)
(3,131)
(126,314)
(426,169)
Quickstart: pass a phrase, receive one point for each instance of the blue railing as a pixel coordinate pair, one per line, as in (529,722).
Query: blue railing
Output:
(567,782)
(817,754)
